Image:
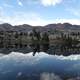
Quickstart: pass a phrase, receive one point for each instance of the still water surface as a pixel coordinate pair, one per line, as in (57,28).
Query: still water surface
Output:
(42,66)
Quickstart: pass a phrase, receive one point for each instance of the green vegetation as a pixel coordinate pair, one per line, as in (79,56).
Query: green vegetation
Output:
(20,39)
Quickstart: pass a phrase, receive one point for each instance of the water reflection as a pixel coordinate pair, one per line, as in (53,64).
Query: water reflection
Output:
(42,66)
(58,49)
(52,49)
(40,47)
(36,48)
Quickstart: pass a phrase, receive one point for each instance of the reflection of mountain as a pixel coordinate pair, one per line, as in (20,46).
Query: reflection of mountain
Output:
(25,27)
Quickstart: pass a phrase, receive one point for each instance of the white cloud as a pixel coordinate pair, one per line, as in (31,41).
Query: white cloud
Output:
(23,18)
(35,20)
(72,21)
(50,2)
(32,18)
(19,3)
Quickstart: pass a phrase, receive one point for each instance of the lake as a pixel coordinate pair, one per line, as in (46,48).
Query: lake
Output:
(41,66)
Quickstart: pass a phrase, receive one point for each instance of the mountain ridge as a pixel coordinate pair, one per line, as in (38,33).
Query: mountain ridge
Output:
(26,27)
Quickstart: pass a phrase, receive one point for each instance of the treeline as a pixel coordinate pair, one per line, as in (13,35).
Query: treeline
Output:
(38,37)
(21,39)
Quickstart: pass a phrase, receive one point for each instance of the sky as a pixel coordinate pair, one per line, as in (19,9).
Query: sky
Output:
(39,12)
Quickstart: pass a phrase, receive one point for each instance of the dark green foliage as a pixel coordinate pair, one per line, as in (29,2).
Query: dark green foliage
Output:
(16,35)
(36,34)
(45,38)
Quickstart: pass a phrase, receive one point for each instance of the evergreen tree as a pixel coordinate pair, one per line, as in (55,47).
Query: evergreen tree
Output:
(45,37)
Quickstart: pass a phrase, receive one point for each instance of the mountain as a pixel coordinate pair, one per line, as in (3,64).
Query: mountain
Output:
(49,27)
(63,26)
(9,27)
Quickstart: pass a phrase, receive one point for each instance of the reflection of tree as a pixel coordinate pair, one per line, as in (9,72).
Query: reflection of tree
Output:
(36,48)
(39,47)
(45,47)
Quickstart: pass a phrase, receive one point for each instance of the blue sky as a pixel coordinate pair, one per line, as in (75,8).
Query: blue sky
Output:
(39,12)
